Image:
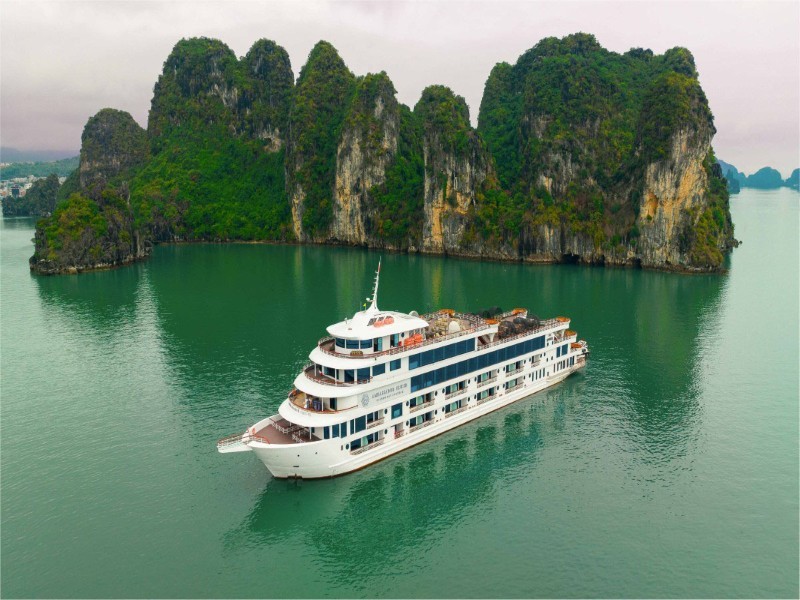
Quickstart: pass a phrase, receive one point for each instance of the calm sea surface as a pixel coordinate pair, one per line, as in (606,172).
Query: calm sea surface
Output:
(669,467)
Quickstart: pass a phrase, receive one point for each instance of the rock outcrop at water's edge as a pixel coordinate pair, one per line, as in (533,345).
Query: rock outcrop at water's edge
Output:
(94,227)
(580,155)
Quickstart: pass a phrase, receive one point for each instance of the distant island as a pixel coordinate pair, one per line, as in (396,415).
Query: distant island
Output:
(580,155)
(765,178)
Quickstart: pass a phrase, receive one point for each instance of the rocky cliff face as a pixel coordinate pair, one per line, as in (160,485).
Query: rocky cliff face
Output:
(112,143)
(674,190)
(580,154)
(604,157)
(456,166)
(94,228)
(321,100)
(367,147)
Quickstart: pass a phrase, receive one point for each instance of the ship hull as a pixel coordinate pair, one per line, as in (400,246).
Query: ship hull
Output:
(323,459)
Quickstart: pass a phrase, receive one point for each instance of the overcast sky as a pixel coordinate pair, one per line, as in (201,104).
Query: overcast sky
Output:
(60,62)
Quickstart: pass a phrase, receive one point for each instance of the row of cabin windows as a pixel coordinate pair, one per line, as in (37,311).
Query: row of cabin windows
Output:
(464,367)
(376,344)
(562,350)
(364,441)
(452,406)
(441,353)
(352,375)
(563,364)
(419,420)
(488,393)
(354,344)
(359,423)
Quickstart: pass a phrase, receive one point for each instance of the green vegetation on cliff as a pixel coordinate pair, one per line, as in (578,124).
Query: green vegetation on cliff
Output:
(323,93)
(215,127)
(579,151)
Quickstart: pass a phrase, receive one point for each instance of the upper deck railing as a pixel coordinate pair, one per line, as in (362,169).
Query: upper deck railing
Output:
(311,372)
(479,324)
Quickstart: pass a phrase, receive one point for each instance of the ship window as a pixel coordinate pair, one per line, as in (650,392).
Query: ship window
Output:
(355,444)
(343,429)
(395,340)
(326,432)
(363,374)
(366,344)
(329,371)
(452,372)
(360,424)
(335,431)
(429,379)
(377,344)
(439,354)
(413,362)
(379,369)
(395,364)
(352,344)
(332,402)
(450,350)
(397,410)
(340,342)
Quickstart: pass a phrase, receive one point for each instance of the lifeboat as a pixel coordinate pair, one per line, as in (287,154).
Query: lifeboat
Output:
(519,311)
(447,311)
(562,319)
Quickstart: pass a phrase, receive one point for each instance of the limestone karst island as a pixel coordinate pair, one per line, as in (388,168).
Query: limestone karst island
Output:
(580,155)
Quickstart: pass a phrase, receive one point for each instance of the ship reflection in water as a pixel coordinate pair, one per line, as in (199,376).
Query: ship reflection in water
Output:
(361,525)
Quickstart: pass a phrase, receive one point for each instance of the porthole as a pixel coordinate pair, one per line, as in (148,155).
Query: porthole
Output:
(347,446)
(386,411)
(406,403)
(385,431)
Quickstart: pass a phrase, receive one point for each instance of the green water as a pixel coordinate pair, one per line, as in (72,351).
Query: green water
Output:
(669,467)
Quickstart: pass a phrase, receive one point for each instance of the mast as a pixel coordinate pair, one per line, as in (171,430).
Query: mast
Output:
(374,306)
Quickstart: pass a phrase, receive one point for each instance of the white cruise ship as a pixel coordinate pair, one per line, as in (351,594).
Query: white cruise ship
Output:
(385,381)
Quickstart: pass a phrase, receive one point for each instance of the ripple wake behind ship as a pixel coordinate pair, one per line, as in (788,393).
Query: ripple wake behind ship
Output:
(385,381)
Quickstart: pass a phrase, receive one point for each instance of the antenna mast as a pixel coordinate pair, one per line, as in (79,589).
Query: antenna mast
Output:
(374,305)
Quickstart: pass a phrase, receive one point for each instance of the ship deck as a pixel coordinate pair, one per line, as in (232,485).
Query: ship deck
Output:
(282,432)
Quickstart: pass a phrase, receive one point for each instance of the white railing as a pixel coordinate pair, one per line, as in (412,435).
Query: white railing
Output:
(427,404)
(367,447)
(455,412)
(456,393)
(420,426)
(485,382)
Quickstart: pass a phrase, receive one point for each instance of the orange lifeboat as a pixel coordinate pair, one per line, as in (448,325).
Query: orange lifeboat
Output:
(492,321)
(448,311)
(518,311)
(562,319)
(388,321)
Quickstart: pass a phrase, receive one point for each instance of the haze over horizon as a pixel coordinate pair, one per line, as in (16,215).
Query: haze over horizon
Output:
(61,62)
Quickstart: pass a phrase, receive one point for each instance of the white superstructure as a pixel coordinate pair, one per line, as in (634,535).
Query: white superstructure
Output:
(384,381)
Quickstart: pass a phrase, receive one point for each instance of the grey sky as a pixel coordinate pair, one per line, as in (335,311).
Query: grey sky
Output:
(60,62)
